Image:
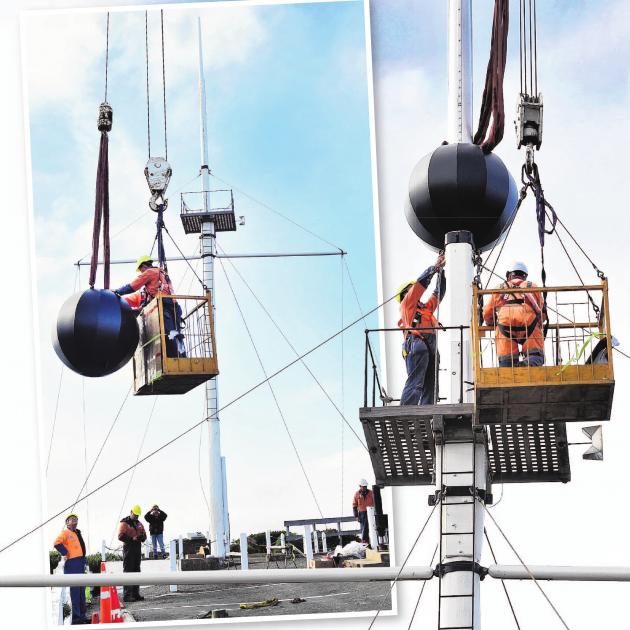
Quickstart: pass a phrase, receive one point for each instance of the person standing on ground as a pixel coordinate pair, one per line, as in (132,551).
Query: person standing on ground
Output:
(363,499)
(419,346)
(131,533)
(70,545)
(156,517)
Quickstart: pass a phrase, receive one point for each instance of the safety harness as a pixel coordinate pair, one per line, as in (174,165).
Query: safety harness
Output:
(520,333)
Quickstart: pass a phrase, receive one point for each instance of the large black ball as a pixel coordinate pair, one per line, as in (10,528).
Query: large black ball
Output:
(96,332)
(458,187)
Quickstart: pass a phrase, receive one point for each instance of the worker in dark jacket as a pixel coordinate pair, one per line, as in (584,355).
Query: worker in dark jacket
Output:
(420,346)
(156,518)
(131,533)
(71,546)
(363,499)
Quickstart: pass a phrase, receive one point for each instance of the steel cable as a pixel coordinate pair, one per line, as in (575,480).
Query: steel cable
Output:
(494,559)
(280,214)
(196,425)
(415,610)
(391,588)
(295,351)
(531,575)
(133,472)
(271,389)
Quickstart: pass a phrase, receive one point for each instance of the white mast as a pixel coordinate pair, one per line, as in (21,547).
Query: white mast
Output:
(218,502)
(461,466)
(459,71)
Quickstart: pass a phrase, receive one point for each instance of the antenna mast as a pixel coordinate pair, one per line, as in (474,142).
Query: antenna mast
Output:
(461,465)
(218,500)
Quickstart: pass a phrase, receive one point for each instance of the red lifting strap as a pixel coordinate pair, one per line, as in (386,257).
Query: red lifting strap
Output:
(101,211)
(492,100)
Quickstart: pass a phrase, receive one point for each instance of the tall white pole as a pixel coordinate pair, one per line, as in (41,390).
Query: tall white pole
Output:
(218,503)
(459,71)
(461,466)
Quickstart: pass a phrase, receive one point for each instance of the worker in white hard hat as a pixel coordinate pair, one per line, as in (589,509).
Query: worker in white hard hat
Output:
(518,320)
(420,346)
(132,534)
(363,499)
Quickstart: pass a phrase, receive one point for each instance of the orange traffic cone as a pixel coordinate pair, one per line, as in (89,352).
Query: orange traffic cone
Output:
(106,602)
(117,616)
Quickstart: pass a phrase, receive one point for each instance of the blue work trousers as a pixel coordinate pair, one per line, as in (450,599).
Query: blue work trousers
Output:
(172,322)
(77,593)
(363,524)
(157,539)
(420,363)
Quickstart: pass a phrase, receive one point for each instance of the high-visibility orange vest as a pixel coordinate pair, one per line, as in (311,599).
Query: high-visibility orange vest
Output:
(415,314)
(70,540)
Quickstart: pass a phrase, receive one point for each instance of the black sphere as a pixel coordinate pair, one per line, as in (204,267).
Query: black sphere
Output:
(458,187)
(96,332)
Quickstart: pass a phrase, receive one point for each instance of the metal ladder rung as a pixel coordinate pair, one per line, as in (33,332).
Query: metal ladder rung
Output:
(456,628)
(468,595)
(461,503)
(458,533)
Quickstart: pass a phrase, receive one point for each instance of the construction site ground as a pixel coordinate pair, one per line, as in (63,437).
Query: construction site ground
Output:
(195,601)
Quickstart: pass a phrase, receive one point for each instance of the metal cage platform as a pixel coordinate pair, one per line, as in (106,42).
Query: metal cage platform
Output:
(576,382)
(402,443)
(165,365)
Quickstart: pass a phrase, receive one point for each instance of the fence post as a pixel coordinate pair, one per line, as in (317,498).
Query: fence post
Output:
(324,542)
(308,544)
(283,541)
(103,550)
(372,527)
(244,556)
(173,561)
(181,547)
(62,600)
(315,539)
(268,540)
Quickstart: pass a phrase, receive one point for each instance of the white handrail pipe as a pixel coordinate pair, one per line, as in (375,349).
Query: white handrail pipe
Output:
(255,576)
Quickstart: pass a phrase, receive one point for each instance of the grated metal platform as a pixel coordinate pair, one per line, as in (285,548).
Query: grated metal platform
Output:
(402,442)
(223,219)
(521,453)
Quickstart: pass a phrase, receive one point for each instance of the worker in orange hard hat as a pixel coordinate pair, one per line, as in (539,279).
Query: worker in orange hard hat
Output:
(70,545)
(518,320)
(153,280)
(362,500)
(420,347)
(132,534)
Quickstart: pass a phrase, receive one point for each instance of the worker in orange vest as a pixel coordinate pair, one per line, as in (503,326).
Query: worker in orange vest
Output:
(518,320)
(153,280)
(420,347)
(363,499)
(70,545)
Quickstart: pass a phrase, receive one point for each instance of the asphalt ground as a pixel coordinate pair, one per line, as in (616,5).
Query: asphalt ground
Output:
(195,601)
